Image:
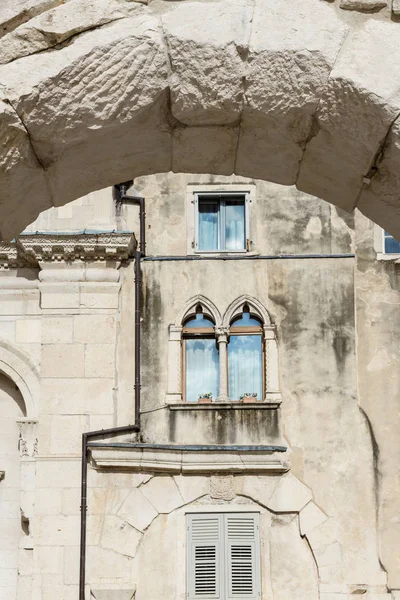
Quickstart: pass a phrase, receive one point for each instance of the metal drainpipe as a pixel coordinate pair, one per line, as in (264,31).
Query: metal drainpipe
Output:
(119,194)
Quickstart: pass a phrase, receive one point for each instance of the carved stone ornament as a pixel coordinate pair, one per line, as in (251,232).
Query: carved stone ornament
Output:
(221,331)
(221,487)
(31,248)
(28,442)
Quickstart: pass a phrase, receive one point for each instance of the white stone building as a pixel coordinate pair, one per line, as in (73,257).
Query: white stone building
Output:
(280,306)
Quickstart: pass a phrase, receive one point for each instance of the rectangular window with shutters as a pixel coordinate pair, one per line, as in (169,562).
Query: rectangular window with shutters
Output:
(223,556)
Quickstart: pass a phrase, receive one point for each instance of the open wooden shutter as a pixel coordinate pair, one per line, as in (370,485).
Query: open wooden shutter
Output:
(205,557)
(242,556)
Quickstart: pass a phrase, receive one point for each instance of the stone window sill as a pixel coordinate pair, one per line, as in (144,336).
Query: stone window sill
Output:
(388,257)
(226,405)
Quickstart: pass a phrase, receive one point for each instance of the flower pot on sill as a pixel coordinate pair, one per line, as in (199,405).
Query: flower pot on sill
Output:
(250,399)
(204,400)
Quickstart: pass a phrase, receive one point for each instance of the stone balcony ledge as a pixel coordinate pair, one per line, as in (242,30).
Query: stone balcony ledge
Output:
(190,459)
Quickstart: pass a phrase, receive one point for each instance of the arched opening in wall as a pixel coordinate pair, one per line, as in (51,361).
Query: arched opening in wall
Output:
(13,525)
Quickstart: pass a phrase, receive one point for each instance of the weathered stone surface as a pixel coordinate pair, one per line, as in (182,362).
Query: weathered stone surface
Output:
(288,68)
(396,7)
(291,495)
(208,94)
(19,164)
(363,4)
(163,494)
(380,197)
(311,516)
(15,12)
(137,510)
(355,112)
(293,570)
(120,536)
(192,487)
(58,24)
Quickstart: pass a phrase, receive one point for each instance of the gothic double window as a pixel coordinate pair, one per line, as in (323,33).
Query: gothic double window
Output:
(223,359)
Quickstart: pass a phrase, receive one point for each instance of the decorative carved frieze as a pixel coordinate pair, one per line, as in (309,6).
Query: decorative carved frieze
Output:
(113,245)
(28,442)
(31,248)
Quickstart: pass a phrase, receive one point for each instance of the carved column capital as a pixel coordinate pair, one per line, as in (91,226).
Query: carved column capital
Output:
(222,333)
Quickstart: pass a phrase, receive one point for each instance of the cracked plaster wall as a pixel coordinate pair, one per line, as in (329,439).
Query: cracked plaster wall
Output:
(83,349)
(377,301)
(297,92)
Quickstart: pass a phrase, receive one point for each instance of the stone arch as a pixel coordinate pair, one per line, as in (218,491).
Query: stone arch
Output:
(19,368)
(256,307)
(208,306)
(239,94)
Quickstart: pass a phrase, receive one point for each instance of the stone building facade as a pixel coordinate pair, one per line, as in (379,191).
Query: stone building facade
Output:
(292,494)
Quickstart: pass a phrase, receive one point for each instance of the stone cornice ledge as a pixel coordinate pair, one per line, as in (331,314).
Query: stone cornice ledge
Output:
(192,459)
(83,245)
(32,248)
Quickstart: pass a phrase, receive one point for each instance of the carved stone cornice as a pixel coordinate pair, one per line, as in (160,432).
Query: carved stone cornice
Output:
(9,256)
(31,248)
(115,245)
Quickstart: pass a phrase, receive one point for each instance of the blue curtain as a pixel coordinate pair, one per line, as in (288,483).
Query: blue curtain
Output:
(245,365)
(208,226)
(392,246)
(202,368)
(234,226)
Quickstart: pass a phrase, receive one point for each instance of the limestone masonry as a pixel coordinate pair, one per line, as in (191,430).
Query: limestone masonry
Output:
(322,490)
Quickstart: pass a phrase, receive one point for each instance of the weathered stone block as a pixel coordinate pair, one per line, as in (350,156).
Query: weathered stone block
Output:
(28,331)
(192,487)
(99,360)
(63,360)
(291,495)
(99,296)
(66,433)
(119,536)
(163,494)
(311,516)
(94,329)
(57,330)
(77,396)
(137,510)
(49,559)
(48,502)
(59,295)
(363,4)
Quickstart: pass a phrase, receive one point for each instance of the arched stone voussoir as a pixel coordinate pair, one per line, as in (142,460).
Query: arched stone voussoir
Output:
(207,43)
(293,91)
(354,115)
(24,190)
(293,48)
(380,199)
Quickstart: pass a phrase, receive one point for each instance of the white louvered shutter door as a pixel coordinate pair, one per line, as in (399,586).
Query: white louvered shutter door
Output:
(205,557)
(242,543)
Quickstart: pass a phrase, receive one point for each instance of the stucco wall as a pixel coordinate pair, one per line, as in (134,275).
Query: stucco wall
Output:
(330,520)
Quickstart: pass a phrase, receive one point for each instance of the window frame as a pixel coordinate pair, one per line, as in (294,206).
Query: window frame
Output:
(222,555)
(250,330)
(379,246)
(192,333)
(221,196)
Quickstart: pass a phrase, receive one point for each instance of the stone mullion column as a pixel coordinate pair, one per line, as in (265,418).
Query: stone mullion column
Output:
(222,341)
(272,385)
(174,392)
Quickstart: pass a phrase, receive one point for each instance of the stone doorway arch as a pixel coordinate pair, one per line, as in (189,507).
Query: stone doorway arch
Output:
(296,92)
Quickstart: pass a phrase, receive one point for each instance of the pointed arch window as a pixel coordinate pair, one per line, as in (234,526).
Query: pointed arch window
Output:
(200,357)
(246,356)
(225,358)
